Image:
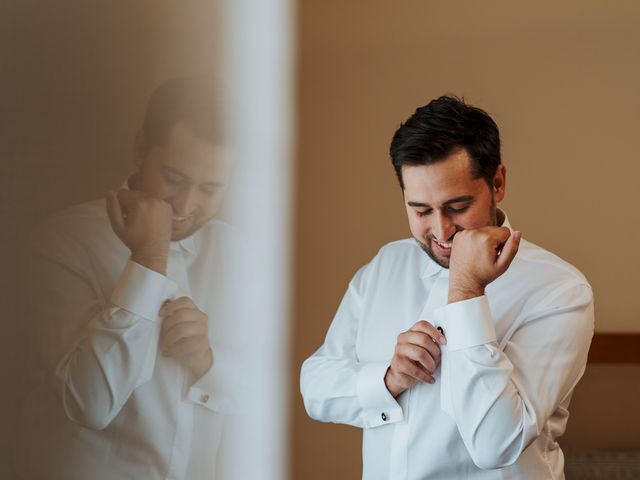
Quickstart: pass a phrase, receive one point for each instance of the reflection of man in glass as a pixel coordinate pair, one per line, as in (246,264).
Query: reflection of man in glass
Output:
(456,350)
(127,296)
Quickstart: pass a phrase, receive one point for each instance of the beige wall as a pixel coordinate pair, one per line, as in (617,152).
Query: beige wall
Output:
(561,80)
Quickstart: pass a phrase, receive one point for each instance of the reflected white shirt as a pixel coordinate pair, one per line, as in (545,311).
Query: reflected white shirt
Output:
(507,372)
(107,404)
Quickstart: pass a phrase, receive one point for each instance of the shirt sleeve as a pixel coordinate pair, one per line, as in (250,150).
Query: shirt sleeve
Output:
(501,396)
(99,351)
(335,385)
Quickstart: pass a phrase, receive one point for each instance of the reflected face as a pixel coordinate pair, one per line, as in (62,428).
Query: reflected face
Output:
(443,198)
(189,173)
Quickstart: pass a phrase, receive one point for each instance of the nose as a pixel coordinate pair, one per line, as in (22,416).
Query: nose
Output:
(443,227)
(185,201)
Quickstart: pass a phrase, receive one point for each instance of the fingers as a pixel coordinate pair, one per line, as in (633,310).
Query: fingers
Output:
(185,335)
(195,355)
(420,356)
(509,250)
(428,329)
(114,211)
(182,321)
(416,358)
(183,330)
(184,348)
(422,341)
(127,197)
(417,355)
(170,307)
(410,372)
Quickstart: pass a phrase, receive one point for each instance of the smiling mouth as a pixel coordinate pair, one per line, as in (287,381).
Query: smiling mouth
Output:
(180,219)
(444,245)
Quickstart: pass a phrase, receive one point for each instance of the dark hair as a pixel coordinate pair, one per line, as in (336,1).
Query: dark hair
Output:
(194,100)
(441,127)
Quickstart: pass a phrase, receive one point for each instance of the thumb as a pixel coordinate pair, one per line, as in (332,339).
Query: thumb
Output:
(509,251)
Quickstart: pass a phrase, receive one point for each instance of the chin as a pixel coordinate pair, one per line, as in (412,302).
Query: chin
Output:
(181,235)
(442,261)
(187,230)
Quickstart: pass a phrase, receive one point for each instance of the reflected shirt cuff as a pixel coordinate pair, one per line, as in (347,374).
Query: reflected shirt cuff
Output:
(142,291)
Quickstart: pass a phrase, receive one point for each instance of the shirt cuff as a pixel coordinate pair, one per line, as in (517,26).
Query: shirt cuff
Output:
(467,323)
(379,406)
(142,291)
(201,393)
(216,390)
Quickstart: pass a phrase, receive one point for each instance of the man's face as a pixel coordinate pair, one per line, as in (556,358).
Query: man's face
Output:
(442,199)
(186,171)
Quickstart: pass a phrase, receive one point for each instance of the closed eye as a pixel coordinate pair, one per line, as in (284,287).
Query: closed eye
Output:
(173,178)
(457,209)
(210,190)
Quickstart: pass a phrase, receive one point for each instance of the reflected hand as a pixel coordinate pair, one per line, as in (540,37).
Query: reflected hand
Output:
(144,224)
(185,335)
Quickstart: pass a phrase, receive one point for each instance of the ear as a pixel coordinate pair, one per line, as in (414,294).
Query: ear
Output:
(499,183)
(138,151)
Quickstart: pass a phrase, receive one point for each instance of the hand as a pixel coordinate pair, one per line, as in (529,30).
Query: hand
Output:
(416,357)
(185,335)
(144,224)
(478,257)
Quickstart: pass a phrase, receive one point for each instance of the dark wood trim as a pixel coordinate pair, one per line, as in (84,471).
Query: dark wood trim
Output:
(615,348)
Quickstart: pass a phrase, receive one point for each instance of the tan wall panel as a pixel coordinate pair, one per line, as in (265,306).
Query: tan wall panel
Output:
(560,79)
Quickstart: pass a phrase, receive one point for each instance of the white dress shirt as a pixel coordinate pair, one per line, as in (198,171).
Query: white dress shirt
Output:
(507,372)
(106,404)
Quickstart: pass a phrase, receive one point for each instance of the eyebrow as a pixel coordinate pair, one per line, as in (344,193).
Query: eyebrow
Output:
(179,173)
(463,198)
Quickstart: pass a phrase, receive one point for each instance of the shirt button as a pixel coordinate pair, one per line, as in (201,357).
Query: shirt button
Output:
(383,416)
(441,330)
(204,398)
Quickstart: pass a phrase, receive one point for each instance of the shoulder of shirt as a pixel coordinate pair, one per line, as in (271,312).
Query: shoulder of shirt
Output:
(77,222)
(74,234)
(533,258)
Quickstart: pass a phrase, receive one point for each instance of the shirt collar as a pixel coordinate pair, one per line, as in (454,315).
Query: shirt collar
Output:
(186,245)
(432,268)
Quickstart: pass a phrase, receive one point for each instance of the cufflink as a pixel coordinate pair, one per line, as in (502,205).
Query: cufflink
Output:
(383,416)
(440,329)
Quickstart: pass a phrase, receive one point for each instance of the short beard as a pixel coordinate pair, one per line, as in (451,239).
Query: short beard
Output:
(197,225)
(425,248)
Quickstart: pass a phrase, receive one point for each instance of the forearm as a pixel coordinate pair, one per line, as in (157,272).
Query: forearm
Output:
(117,353)
(98,375)
(494,417)
(344,391)
(501,397)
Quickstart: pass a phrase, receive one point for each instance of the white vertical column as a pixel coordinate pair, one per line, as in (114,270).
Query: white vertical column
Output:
(258,56)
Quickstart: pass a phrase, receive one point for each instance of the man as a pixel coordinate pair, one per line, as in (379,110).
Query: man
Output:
(456,351)
(129,298)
